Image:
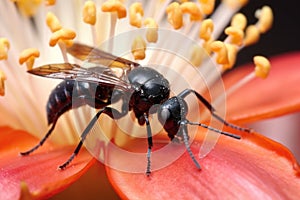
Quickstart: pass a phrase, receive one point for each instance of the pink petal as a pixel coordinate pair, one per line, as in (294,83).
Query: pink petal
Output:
(39,170)
(252,168)
(277,95)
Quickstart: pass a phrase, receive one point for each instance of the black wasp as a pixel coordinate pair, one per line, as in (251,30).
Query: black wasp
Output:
(139,88)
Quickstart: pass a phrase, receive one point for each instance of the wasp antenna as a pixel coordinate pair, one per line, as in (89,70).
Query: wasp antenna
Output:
(215,130)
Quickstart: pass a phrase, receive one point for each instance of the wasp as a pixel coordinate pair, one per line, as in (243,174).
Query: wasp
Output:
(139,88)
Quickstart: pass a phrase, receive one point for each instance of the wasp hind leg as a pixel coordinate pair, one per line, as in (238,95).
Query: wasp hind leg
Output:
(112,113)
(42,141)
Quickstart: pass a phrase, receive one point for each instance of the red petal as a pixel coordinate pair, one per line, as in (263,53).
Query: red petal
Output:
(39,170)
(277,95)
(251,168)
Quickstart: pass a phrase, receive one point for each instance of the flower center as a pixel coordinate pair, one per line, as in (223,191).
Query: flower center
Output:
(187,18)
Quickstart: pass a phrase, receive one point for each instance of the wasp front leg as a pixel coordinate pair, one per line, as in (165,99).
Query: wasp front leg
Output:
(150,144)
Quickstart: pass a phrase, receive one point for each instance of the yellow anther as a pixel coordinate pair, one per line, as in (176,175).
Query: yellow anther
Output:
(2,86)
(62,35)
(207,6)
(136,13)
(50,2)
(234,4)
(28,7)
(114,6)
(138,48)
(152,30)
(262,66)
(239,21)
(221,50)
(175,17)
(89,13)
(192,9)
(206,46)
(232,54)
(68,43)
(197,55)
(206,29)
(52,22)
(252,35)
(4,46)
(28,56)
(236,35)
(265,16)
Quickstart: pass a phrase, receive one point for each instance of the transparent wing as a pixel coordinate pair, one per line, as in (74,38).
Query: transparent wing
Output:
(97,56)
(67,71)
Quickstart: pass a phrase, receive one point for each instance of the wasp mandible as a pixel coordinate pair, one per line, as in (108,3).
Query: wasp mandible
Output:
(139,88)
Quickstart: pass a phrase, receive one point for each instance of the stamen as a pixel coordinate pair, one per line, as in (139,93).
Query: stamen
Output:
(262,66)
(252,35)
(136,13)
(118,11)
(192,9)
(239,21)
(2,85)
(50,2)
(28,7)
(236,35)
(232,54)
(152,30)
(52,22)
(206,29)
(175,16)
(89,13)
(234,4)
(265,19)
(138,48)
(28,56)
(197,55)
(64,38)
(207,46)
(4,47)
(221,50)
(114,6)
(64,35)
(207,6)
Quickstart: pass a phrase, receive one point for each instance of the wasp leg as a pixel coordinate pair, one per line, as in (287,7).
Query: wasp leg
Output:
(114,114)
(183,130)
(215,130)
(42,141)
(212,110)
(150,144)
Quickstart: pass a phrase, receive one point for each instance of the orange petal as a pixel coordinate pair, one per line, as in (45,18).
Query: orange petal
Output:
(278,94)
(251,168)
(92,185)
(38,171)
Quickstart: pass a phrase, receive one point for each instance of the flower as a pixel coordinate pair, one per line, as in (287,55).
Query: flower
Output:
(253,166)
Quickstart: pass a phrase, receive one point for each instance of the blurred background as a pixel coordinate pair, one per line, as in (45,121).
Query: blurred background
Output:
(284,35)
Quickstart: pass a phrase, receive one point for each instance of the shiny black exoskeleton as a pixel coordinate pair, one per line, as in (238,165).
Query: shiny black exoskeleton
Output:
(143,89)
(150,88)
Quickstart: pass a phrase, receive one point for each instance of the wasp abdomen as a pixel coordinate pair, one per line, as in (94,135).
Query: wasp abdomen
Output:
(71,94)
(60,100)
